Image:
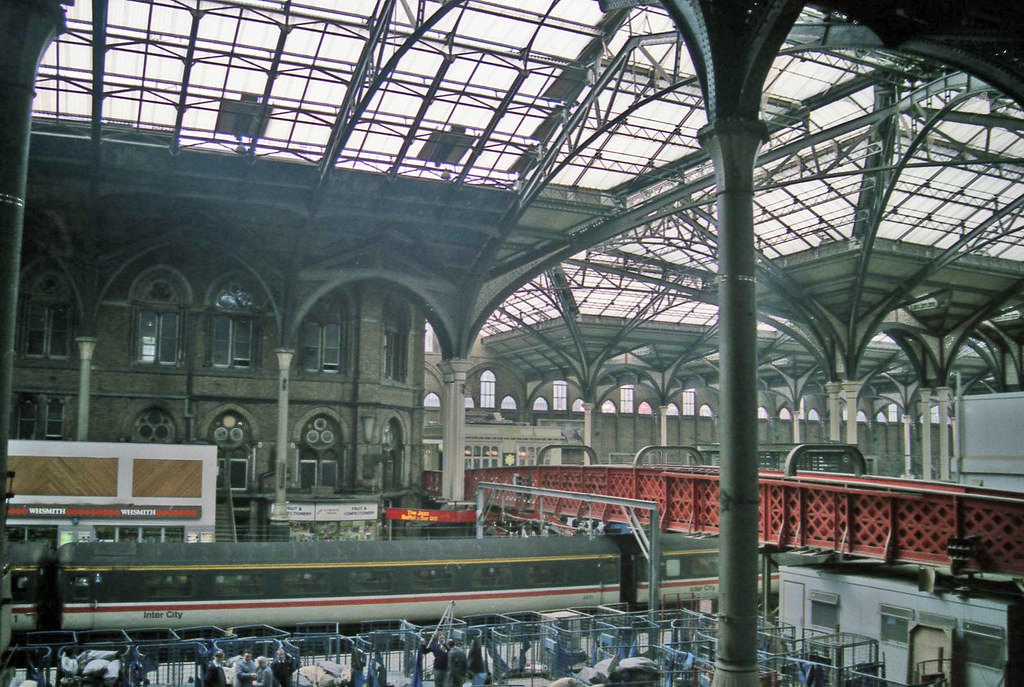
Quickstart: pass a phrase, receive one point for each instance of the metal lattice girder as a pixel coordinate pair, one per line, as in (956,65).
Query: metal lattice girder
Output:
(882,518)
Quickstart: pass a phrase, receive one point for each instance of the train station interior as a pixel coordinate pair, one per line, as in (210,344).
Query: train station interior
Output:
(308,271)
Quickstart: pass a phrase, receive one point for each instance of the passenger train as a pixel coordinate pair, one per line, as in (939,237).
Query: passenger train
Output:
(101,585)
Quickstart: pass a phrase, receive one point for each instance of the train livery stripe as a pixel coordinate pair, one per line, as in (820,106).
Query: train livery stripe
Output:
(335,601)
(336,565)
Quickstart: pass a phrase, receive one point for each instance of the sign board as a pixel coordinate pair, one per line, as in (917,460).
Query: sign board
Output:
(421,515)
(120,512)
(331,512)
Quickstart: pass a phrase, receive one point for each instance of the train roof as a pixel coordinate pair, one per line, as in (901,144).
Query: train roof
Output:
(114,553)
(28,553)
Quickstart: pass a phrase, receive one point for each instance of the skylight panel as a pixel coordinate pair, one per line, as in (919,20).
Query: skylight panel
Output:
(554,41)
(496,30)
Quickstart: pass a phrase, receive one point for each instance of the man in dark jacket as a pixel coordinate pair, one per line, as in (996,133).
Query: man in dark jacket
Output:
(282,667)
(457,664)
(440,653)
(214,675)
(477,666)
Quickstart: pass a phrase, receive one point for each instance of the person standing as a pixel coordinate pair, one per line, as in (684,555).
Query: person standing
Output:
(264,675)
(440,653)
(282,667)
(214,675)
(245,670)
(477,667)
(456,664)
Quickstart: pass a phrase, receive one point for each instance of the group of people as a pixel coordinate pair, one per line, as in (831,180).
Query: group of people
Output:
(249,673)
(452,667)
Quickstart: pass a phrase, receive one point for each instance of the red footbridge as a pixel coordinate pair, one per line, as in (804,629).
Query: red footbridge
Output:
(889,519)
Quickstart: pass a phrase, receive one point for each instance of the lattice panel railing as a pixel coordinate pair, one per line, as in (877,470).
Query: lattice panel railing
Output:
(891,520)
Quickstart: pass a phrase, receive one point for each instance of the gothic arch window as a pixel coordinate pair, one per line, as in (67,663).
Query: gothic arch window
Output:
(762,413)
(644,409)
(893,412)
(431,400)
(468,403)
(880,418)
(159,297)
(813,416)
(862,417)
(233,326)
(396,341)
(608,407)
(324,336)
(319,454)
(705,411)
(429,338)
(577,406)
(540,404)
(673,410)
(508,403)
(785,415)
(154,426)
(231,433)
(487,384)
(46,317)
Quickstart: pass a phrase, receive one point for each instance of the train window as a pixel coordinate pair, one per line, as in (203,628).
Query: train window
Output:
(609,573)
(703,566)
(80,588)
(546,575)
(490,577)
(433,579)
(824,609)
(984,644)
(671,569)
(164,586)
(895,623)
(238,585)
(370,581)
(306,583)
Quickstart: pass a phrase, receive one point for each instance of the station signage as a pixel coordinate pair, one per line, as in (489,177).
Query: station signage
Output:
(421,515)
(331,512)
(104,512)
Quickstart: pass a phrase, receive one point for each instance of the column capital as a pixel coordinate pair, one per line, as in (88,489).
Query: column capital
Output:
(833,387)
(86,346)
(284,357)
(943,394)
(454,368)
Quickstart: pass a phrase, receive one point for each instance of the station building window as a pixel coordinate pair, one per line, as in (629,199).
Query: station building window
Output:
(560,394)
(46,317)
(626,398)
(540,404)
(396,341)
(318,453)
(39,417)
(232,327)
(487,384)
(508,403)
(431,400)
(159,297)
(154,425)
(323,338)
(689,401)
(608,407)
(230,432)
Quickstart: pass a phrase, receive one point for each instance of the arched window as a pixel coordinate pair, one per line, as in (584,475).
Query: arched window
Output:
(468,402)
(577,406)
(231,433)
(487,384)
(232,333)
(508,403)
(431,400)
(893,412)
(673,410)
(862,417)
(560,394)
(46,317)
(28,418)
(644,409)
(608,407)
(689,401)
(705,411)
(160,295)
(785,415)
(319,453)
(813,416)
(396,341)
(540,404)
(626,398)
(880,418)
(38,417)
(324,334)
(154,425)
(762,413)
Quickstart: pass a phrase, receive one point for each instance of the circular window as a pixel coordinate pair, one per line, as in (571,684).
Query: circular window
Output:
(321,433)
(154,425)
(230,429)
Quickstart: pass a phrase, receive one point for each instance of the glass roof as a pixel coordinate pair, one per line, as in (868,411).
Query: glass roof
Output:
(539,94)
